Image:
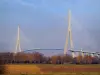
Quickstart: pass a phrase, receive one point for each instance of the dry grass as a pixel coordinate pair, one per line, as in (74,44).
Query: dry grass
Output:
(69,68)
(22,69)
(53,69)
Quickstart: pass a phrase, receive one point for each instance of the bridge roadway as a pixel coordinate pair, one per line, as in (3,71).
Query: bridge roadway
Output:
(40,49)
(61,49)
(48,49)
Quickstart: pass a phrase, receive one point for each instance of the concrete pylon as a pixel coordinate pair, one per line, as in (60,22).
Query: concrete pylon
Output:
(92,54)
(18,48)
(99,55)
(73,54)
(69,34)
(82,53)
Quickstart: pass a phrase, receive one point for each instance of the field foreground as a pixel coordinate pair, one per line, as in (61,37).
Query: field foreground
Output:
(53,69)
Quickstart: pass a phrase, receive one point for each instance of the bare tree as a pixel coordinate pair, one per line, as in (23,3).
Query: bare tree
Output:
(79,59)
(38,57)
(2,66)
(54,59)
(67,59)
(87,59)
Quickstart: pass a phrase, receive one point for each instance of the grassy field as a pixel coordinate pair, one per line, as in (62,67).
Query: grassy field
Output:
(48,69)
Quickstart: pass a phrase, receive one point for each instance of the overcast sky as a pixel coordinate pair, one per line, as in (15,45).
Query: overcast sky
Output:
(43,24)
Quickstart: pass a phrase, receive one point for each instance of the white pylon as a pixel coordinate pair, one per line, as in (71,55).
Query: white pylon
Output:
(97,55)
(82,53)
(18,49)
(69,34)
(92,54)
(73,54)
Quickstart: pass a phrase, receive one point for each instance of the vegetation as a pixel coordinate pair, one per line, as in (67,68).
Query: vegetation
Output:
(30,63)
(2,67)
(38,58)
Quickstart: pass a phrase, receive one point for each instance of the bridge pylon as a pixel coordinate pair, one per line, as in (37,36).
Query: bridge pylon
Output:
(69,34)
(18,48)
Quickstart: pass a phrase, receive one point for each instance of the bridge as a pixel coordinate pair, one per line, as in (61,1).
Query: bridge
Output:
(65,49)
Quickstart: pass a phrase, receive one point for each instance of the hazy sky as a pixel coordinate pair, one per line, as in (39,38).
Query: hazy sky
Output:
(44,23)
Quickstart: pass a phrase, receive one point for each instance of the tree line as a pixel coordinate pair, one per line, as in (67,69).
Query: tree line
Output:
(39,58)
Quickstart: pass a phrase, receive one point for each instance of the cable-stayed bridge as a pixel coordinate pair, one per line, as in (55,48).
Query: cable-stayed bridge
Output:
(69,36)
(65,49)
